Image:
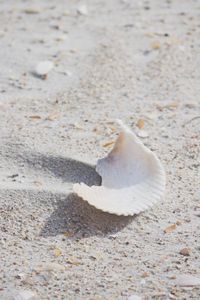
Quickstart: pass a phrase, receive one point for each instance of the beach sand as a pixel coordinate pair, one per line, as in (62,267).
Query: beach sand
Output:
(112,59)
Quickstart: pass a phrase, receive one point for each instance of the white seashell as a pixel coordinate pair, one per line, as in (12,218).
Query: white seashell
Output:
(142,133)
(133,178)
(82,10)
(44,67)
(67,73)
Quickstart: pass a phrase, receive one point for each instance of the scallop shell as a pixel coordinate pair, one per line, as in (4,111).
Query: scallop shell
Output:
(133,178)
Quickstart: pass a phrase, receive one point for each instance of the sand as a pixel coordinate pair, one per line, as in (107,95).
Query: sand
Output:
(119,59)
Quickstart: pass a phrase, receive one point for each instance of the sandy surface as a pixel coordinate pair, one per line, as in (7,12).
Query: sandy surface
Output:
(124,59)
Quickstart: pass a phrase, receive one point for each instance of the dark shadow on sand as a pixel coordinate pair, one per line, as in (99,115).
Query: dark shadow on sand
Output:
(66,169)
(70,216)
(75,218)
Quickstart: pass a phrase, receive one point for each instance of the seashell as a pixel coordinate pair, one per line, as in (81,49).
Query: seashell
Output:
(133,178)
(142,133)
(82,10)
(43,68)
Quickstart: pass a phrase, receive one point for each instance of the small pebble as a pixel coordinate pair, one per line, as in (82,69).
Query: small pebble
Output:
(155,45)
(170,228)
(185,251)
(32,11)
(140,123)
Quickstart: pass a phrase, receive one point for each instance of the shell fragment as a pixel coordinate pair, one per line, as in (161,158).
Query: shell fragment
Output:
(133,178)
(43,68)
(82,10)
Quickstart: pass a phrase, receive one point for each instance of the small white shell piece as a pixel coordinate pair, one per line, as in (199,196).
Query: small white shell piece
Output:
(133,178)
(43,68)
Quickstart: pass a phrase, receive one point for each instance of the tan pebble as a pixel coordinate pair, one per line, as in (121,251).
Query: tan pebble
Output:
(185,251)
(172,277)
(68,234)
(35,117)
(145,274)
(108,144)
(178,222)
(31,11)
(170,228)
(140,123)
(155,45)
(57,252)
